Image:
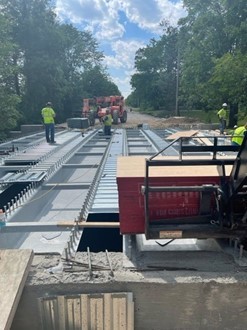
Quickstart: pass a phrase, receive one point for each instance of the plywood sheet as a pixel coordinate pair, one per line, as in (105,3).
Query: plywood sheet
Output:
(134,166)
(14,268)
(204,141)
(181,134)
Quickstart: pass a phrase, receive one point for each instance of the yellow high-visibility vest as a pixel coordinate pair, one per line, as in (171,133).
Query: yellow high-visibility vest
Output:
(48,115)
(108,120)
(238,135)
(222,113)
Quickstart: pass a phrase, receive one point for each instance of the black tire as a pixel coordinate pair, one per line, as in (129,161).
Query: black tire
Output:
(115,117)
(123,119)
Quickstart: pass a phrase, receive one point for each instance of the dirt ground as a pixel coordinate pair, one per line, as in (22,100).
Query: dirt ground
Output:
(135,118)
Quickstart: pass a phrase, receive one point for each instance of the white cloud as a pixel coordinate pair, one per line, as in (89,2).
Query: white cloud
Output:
(98,16)
(124,54)
(149,14)
(123,63)
(102,18)
(123,84)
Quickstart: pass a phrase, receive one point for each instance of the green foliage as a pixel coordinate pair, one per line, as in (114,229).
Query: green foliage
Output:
(8,113)
(154,84)
(208,49)
(48,61)
(97,82)
(8,99)
(229,77)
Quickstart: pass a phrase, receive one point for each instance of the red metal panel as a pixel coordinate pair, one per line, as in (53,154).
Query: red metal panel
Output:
(161,204)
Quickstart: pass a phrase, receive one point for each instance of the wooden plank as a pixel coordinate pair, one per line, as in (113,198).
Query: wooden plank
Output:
(108,311)
(181,134)
(134,167)
(85,224)
(204,140)
(14,268)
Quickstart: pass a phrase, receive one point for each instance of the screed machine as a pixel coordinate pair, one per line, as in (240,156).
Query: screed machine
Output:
(202,193)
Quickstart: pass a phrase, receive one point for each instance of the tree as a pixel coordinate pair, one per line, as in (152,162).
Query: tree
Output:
(8,99)
(97,82)
(213,30)
(155,81)
(53,58)
(229,79)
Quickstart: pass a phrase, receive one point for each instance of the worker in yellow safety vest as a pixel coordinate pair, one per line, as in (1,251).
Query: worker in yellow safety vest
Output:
(107,120)
(48,115)
(238,135)
(222,117)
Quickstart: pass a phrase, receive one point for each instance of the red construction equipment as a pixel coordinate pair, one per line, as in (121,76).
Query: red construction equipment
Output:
(186,197)
(89,111)
(96,108)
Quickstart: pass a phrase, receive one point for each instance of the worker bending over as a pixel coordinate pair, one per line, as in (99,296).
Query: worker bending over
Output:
(107,120)
(238,135)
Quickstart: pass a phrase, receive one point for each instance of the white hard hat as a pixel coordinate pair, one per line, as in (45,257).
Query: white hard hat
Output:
(224,105)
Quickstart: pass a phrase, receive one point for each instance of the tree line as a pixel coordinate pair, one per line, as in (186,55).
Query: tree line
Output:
(199,64)
(42,59)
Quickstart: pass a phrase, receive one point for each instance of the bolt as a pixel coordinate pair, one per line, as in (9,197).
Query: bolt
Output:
(69,248)
(66,254)
(241,251)
(71,241)
(235,245)
(73,232)
(9,207)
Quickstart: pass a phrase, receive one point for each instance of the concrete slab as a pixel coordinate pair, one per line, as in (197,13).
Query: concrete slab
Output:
(175,245)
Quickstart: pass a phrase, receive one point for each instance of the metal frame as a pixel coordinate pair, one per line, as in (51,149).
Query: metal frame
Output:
(202,226)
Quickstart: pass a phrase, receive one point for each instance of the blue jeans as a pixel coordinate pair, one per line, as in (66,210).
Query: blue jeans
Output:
(222,125)
(107,130)
(50,132)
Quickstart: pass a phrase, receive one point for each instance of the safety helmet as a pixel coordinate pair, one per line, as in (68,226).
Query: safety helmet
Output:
(224,105)
(48,103)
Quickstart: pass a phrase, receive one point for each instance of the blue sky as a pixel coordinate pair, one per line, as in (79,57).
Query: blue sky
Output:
(121,27)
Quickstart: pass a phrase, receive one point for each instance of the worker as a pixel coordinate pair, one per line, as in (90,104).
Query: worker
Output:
(238,135)
(2,218)
(48,115)
(222,117)
(107,120)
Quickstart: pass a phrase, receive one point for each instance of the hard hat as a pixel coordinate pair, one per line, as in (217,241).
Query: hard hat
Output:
(48,103)
(224,105)
(235,126)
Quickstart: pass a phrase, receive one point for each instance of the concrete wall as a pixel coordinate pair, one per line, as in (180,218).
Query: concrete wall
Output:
(158,306)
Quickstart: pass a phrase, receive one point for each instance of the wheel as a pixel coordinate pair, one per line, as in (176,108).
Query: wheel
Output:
(115,117)
(123,119)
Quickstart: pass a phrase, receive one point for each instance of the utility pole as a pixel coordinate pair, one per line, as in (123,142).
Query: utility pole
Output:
(177,85)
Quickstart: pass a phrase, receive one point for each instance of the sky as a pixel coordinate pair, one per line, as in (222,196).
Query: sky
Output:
(121,27)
